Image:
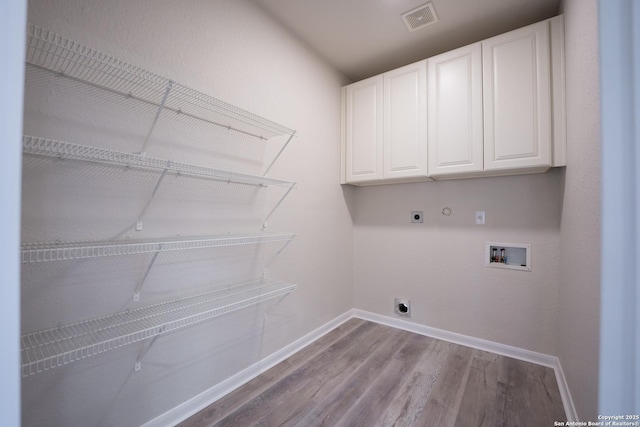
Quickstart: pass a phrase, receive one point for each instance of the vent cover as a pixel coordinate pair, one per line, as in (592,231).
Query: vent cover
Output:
(420,17)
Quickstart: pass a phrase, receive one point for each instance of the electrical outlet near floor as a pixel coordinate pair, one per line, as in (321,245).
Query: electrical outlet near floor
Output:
(402,307)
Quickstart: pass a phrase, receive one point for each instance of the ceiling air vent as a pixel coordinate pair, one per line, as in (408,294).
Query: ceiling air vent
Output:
(420,17)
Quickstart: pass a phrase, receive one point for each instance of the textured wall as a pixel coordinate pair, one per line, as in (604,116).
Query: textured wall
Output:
(439,265)
(231,50)
(578,326)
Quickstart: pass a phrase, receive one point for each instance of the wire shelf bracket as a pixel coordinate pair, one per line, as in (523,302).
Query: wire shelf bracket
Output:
(136,292)
(277,156)
(277,205)
(143,150)
(52,348)
(139,222)
(138,365)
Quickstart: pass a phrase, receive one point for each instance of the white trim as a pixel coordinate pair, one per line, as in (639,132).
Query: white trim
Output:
(477,343)
(485,345)
(567,400)
(13,18)
(619,48)
(559,116)
(206,398)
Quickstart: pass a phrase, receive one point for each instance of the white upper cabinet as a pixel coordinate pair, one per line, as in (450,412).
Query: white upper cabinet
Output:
(517,99)
(405,122)
(496,107)
(386,127)
(363,131)
(455,112)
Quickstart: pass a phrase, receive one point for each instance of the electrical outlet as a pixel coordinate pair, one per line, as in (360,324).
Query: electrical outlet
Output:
(416,216)
(402,307)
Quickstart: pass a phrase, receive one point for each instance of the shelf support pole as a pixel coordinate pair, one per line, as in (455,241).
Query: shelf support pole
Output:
(152,196)
(267,265)
(136,292)
(279,152)
(145,350)
(138,224)
(155,119)
(264,223)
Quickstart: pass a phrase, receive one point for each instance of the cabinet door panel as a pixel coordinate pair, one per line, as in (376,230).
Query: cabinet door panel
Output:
(455,111)
(517,99)
(405,117)
(364,130)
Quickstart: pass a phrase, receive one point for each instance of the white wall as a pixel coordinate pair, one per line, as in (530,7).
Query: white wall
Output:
(439,265)
(231,50)
(578,326)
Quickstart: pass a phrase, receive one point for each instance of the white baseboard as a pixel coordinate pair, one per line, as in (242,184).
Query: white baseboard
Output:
(207,397)
(478,343)
(567,401)
(481,344)
(204,399)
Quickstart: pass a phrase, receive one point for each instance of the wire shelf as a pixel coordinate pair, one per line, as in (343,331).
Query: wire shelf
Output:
(67,150)
(60,346)
(58,54)
(64,251)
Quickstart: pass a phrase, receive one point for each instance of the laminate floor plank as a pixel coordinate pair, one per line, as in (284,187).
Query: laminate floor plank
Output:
(254,388)
(328,367)
(444,400)
(412,397)
(478,405)
(367,374)
(384,389)
(541,395)
(338,402)
(299,403)
(511,380)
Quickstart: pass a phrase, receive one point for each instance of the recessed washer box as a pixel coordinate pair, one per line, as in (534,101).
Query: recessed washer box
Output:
(510,256)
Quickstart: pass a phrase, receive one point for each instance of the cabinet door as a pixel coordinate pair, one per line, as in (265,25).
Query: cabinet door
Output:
(517,99)
(363,128)
(455,111)
(405,122)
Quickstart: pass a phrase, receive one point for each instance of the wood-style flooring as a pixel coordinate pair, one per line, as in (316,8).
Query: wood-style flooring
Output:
(367,374)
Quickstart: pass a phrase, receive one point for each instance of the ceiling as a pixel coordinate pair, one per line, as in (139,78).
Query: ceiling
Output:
(362,38)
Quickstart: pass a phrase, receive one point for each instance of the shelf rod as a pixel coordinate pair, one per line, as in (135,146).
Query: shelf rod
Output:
(136,292)
(145,350)
(152,196)
(137,225)
(268,264)
(155,119)
(146,101)
(279,152)
(264,223)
